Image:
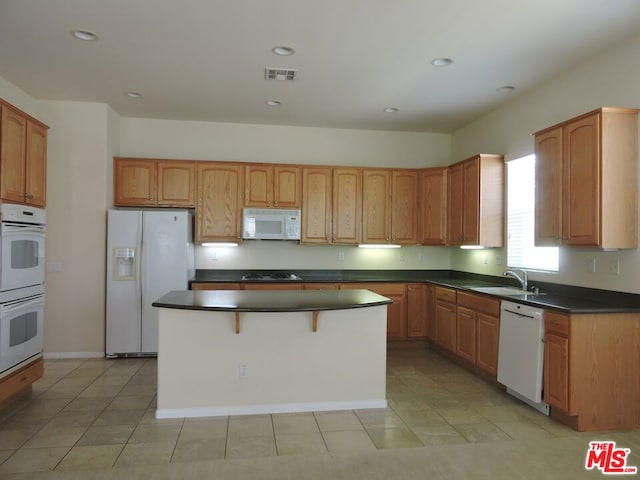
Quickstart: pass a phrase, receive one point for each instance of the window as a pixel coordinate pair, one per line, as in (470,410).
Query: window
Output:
(521,252)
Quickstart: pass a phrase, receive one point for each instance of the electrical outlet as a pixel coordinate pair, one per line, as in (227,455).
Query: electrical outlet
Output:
(214,255)
(591,265)
(340,256)
(244,371)
(615,267)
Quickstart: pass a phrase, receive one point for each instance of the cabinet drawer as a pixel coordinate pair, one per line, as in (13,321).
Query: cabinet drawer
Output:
(215,286)
(446,294)
(479,303)
(20,380)
(556,322)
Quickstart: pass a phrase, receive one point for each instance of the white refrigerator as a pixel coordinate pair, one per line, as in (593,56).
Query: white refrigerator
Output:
(149,253)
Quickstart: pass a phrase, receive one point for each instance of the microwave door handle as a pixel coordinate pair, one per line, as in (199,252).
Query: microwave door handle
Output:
(20,304)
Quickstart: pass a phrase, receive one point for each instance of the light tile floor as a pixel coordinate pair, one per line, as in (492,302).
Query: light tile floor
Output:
(92,418)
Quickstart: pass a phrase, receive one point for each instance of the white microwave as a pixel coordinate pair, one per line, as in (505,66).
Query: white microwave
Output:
(270,224)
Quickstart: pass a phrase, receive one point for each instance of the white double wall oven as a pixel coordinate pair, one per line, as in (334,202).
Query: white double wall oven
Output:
(22,240)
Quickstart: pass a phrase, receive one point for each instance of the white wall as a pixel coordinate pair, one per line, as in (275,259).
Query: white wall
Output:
(611,79)
(76,204)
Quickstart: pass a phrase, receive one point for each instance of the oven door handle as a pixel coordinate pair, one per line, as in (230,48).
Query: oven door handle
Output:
(16,305)
(13,228)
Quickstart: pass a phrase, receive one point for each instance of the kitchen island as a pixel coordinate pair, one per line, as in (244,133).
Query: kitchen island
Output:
(230,352)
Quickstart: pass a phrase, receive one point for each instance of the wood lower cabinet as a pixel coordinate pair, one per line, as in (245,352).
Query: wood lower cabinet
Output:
(269,185)
(320,286)
(488,336)
(19,382)
(23,158)
(219,202)
(445,331)
(155,183)
(432,206)
(396,311)
(417,314)
(272,286)
(590,374)
(587,181)
(480,324)
(316,205)
(466,327)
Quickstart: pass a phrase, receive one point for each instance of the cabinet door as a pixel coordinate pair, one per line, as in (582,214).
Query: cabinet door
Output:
(259,186)
(432,209)
(404,207)
(286,186)
(316,205)
(219,202)
(376,206)
(556,371)
(446,325)
(134,182)
(548,204)
(416,310)
(454,204)
(320,286)
(581,180)
(471,202)
(347,205)
(396,316)
(12,155)
(176,183)
(36,165)
(431,312)
(215,286)
(466,334)
(272,286)
(488,334)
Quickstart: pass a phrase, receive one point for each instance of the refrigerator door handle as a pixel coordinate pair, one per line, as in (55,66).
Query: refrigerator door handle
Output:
(140,283)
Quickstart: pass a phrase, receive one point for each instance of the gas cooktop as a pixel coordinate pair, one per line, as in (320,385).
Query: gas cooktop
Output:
(270,276)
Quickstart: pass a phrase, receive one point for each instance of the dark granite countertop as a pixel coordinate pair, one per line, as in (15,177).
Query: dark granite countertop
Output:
(270,301)
(563,298)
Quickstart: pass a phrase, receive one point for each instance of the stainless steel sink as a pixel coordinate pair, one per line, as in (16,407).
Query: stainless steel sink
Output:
(506,291)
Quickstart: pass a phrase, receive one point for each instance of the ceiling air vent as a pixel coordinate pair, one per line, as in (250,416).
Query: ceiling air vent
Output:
(286,74)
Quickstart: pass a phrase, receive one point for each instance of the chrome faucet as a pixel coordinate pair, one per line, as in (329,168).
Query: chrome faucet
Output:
(523,280)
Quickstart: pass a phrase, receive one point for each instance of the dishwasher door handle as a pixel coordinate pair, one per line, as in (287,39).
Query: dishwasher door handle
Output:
(518,313)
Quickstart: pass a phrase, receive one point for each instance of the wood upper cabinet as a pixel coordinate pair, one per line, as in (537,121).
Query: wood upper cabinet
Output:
(417,310)
(270,185)
(347,205)
(476,201)
(219,202)
(432,206)
(151,182)
(404,207)
(316,205)
(376,206)
(23,158)
(588,167)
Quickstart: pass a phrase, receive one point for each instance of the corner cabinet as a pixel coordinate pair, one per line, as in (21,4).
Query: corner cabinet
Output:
(23,158)
(475,201)
(153,183)
(269,185)
(587,181)
(219,202)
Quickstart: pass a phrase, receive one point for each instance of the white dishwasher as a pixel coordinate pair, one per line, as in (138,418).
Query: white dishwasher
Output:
(521,353)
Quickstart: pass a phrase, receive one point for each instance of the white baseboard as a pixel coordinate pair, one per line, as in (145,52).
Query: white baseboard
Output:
(67,355)
(265,409)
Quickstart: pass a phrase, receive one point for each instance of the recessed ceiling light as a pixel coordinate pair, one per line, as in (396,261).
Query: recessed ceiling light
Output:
(283,51)
(505,89)
(273,103)
(134,94)
(85,35)
(391,110)
(441,62)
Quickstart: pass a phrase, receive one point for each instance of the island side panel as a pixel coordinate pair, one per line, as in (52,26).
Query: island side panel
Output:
(289,367)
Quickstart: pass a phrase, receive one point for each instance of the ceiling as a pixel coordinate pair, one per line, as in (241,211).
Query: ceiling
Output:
(205,59)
